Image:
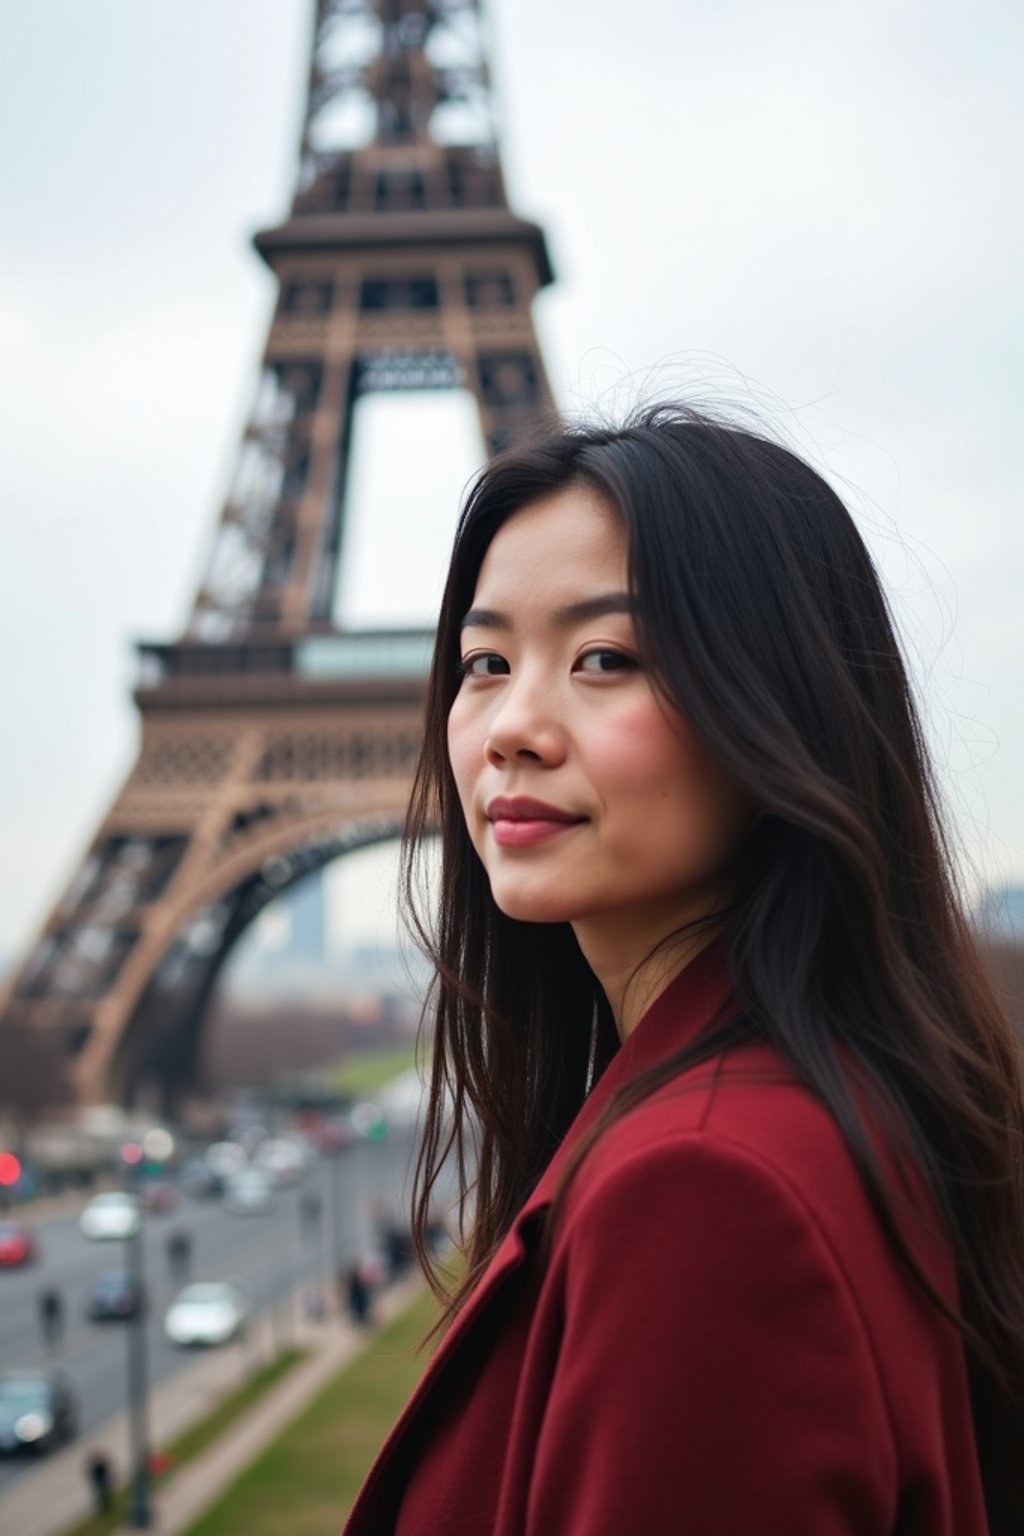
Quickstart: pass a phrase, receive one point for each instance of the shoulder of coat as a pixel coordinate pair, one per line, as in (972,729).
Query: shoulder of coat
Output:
(751,1107)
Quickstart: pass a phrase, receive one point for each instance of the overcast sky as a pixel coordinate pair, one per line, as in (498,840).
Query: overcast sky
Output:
(812,207)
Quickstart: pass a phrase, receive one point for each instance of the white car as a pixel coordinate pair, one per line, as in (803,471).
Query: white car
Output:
(110,1216)
(211,1312)
(282,1159)
(226,1158)
(249,1193)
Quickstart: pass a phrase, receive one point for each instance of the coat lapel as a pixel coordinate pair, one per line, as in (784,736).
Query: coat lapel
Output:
(675,1017)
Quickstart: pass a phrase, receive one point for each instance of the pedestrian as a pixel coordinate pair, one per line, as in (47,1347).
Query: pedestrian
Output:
(736,1120)
(98,1471)
(179,1254)
(309,1213)
(396,1247)
(313,1307)
(358,1296)
(51,1316)
(435,1236)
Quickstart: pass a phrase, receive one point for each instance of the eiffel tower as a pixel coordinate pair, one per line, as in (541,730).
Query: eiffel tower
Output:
(273,740)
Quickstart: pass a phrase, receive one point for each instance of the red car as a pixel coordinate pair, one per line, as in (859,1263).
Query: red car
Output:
(17,1245)
(158,1196)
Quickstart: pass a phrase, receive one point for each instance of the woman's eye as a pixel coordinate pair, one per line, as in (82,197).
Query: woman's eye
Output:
(485,664)
(601,661)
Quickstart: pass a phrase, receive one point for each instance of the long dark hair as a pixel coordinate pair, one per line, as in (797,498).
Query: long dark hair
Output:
(762,618)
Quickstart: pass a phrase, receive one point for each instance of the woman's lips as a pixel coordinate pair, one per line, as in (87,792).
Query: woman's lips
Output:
(520,834)
(520,822)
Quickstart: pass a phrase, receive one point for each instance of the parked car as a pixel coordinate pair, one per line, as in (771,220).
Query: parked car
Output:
(200,1181)
(210,1312)
(158,1195)
(226,1158)
(283,1158)
(115,1295)
(18,1244)
(333,1134)
(38,1410)
(249,1193)
(110,1216)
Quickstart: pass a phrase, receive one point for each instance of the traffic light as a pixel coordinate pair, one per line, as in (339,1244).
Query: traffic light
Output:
(10,1170)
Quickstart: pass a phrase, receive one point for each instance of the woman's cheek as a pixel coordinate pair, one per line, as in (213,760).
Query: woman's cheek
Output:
(640,745)
(465,749)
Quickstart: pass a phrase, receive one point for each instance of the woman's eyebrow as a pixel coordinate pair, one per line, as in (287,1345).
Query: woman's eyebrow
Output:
(571,613)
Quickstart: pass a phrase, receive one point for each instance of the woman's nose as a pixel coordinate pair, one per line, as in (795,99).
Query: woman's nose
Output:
(526,727)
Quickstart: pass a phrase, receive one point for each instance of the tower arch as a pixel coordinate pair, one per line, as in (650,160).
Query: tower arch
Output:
(158,1041)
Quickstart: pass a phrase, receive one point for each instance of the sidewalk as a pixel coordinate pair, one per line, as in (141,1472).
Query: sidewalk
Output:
(57,1493)
(185,1497)
(68,1203)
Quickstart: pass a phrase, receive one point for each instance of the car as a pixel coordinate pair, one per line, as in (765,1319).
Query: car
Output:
(115,1294)
(283,1159)
(249,1193)
(38,1410)
(17,1244)
(157,1195)
(110,1216)
(334,1134)
(226,1158)
(200,1181)
(208,1312)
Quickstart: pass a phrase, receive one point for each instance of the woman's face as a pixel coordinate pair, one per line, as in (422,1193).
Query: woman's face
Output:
(588,799)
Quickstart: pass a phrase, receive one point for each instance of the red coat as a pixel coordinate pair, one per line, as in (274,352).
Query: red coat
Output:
(722,1343)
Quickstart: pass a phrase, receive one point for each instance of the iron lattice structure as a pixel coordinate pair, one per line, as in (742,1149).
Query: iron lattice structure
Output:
(272,740)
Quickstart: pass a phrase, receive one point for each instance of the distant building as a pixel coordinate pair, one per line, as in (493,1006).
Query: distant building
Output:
(307,911)
(294,950)
(1000,913)
(286,949)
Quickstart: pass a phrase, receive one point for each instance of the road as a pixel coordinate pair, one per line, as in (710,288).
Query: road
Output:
(268,1256)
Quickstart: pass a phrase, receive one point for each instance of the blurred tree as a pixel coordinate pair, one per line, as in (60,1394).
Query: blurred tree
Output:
(1004,961)
(33,1077)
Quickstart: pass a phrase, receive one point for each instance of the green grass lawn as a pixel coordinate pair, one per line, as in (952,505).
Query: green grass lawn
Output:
(306,1482)
(195,1439)
(363,1073)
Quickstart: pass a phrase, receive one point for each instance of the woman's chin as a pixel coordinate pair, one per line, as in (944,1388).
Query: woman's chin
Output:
(527,906)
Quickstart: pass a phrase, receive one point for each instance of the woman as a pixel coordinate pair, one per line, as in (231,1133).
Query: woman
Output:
(768,1275)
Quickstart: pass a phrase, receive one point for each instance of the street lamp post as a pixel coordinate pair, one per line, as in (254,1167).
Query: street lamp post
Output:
(334,1177)
(140,1510)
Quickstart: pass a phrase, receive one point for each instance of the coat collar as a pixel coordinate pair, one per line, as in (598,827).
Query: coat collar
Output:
(675,1017)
